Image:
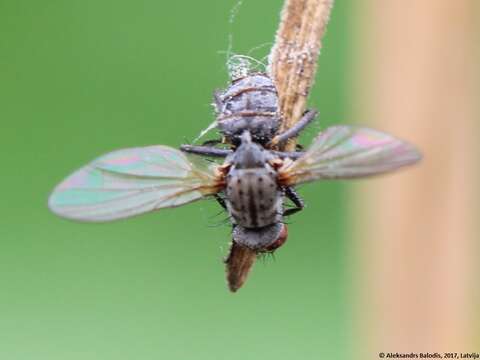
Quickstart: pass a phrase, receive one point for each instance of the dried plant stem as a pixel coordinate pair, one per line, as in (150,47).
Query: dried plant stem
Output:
(293,58)
(239,262)
(292,63)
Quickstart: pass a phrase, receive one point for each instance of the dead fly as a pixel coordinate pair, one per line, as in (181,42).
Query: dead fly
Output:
(253,181)
(247,111)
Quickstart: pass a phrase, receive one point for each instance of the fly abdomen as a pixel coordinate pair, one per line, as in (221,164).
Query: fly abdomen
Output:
(250,103)
(254,199)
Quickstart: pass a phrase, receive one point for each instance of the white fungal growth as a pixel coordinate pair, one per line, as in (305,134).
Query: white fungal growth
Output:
(240,66)
(213,125)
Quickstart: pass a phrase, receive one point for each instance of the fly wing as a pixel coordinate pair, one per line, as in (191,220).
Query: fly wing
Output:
(345,152)
(128,182)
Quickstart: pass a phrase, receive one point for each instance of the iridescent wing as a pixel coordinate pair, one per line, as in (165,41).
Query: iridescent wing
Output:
(128,182)
(345,152)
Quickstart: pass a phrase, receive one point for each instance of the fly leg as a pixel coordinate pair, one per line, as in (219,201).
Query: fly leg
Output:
(296,199)
(212,142)
(306,119)
(206,151)
(207,148)
(221,201)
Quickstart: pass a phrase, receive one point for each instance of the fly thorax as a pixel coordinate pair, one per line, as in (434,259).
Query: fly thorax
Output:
(250,155)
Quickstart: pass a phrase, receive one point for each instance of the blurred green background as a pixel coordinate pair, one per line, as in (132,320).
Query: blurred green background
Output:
(81,78)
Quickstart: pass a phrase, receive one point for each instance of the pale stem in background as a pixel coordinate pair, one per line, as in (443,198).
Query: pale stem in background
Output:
(416,231)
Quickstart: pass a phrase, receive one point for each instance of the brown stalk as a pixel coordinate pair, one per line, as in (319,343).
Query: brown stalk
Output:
(239,262)
(292,64)
(293,58)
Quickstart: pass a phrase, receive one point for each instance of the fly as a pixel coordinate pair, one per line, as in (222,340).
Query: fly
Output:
(252,182)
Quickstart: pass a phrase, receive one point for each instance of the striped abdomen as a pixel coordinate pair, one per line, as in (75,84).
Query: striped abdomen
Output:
(250,103)
(253,197)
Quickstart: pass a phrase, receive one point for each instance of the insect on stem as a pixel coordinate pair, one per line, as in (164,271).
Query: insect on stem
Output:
(255,179)
(292,65)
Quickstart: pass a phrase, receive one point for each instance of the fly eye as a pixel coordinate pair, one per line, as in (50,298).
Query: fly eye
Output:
(281,239)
